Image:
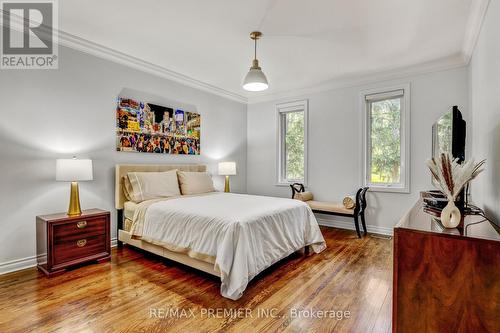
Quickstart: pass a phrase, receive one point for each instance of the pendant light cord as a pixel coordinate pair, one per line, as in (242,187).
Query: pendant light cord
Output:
(255,49)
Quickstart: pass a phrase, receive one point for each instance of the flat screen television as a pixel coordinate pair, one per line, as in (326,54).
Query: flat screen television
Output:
(448,135)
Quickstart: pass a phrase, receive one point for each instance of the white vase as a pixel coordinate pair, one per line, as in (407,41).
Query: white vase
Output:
(450,215)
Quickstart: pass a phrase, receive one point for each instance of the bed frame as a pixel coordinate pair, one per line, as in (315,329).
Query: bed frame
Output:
(125,237)
(121,170)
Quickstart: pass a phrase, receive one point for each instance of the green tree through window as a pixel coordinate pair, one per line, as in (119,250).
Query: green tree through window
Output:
(294,145)
(385,139)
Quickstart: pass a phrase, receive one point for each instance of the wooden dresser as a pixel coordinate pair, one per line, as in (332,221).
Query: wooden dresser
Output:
(64,241)
(445,280)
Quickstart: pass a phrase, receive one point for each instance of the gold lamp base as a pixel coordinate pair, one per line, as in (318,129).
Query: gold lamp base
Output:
(74,201)
(226,185)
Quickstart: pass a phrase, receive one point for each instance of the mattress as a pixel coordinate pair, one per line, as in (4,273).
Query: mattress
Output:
(240,234)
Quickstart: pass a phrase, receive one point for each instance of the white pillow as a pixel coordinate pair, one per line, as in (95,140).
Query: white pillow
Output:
(152,185)
(195,182)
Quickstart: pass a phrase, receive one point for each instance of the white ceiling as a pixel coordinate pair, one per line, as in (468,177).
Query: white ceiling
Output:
(305,43)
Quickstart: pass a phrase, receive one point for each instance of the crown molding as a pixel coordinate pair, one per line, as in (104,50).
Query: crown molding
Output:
(83,45)
(448,63)
(473,28)
(476,17)
(86,46)
(474,23)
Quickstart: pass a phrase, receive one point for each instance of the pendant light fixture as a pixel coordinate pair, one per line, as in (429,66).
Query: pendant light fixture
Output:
(255,80)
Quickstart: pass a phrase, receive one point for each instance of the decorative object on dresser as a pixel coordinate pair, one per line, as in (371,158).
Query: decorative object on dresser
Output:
(349,207)
(74,170)
(63,241)
(451,177)
(227,169)
(445,280)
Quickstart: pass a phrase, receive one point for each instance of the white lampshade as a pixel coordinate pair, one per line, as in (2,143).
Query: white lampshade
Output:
(227,168)
(72,170)
(255,80)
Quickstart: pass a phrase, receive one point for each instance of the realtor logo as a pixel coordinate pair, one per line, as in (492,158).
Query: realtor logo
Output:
(28,35)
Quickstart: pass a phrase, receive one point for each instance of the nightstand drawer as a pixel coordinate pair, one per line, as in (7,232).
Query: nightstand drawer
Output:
(79,248)
(80,228)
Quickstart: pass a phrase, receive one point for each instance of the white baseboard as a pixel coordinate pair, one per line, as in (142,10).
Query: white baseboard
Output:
(375,229)
(17,265)
(29,262)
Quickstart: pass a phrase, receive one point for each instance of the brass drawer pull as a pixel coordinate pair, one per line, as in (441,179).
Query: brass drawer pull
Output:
(81,224)
(81,242)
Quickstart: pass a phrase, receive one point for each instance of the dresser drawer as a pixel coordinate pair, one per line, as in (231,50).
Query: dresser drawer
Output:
(80,228)
(79,248)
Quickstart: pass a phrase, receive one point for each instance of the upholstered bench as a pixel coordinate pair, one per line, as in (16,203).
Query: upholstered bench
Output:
(352,207)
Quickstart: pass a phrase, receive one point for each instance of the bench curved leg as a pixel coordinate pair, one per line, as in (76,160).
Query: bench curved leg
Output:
(356,224)
(363,222)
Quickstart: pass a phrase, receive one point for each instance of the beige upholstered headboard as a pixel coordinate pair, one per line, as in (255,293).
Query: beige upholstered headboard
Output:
(122,169)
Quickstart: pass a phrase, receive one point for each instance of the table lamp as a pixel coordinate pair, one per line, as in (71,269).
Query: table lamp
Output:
(74,170)
(227,169)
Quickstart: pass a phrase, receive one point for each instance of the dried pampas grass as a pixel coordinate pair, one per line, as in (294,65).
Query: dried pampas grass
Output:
(451,176)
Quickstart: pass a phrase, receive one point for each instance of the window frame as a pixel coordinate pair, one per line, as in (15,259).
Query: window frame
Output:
(404,185)
(283,108)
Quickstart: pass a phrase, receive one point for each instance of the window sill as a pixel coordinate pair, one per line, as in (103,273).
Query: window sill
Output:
(288,184)
(388,189)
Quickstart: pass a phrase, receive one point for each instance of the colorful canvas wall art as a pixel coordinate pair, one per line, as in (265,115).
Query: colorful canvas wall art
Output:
(150,128)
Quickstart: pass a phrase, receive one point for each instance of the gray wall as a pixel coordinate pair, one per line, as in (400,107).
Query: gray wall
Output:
(335,132)
(50,114)
(485,101)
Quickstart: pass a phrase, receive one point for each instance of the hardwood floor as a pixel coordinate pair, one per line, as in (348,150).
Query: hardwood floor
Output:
(139,292)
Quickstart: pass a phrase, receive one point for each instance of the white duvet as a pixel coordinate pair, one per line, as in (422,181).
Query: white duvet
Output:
(241,234)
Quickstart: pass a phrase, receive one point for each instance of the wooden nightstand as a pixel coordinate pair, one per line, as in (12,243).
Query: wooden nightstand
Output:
(63,241)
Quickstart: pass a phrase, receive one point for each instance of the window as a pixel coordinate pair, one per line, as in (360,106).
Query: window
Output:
(386,144)
(292,142)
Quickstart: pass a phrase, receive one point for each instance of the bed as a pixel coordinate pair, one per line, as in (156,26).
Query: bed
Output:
(231,236)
